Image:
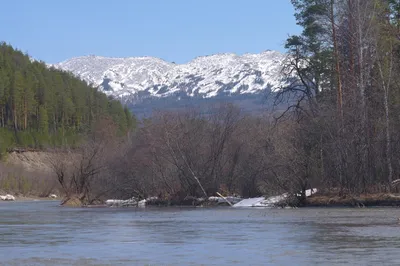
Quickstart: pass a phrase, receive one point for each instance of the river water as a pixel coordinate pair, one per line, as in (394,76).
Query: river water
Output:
(42,233)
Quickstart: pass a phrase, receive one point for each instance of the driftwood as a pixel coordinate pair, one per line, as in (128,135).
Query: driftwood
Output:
(225,199)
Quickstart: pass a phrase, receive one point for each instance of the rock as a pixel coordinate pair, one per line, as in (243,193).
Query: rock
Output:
(53,196)
(7,197)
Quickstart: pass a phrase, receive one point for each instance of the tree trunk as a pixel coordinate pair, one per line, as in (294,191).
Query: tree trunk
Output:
(15,118)
(388,146)
(385,83)
(337,63)
(25,115)
(362,86)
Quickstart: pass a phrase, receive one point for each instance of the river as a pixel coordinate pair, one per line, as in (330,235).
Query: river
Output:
(42,233)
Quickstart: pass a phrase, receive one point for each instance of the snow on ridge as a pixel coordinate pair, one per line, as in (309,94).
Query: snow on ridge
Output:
(204,76)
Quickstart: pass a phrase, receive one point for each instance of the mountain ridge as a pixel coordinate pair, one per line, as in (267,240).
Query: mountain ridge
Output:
(132,79)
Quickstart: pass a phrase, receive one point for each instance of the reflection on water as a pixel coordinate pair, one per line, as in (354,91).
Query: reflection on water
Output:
(41,233)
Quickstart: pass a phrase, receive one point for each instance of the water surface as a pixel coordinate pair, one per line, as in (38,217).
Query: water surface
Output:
(42,233)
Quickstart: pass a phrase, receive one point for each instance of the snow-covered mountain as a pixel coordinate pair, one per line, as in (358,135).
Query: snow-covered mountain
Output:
(135,78)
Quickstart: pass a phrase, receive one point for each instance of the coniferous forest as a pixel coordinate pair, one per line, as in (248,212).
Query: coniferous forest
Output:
(44,107)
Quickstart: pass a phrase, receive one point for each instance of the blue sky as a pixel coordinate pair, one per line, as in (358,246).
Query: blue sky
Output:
(174,30)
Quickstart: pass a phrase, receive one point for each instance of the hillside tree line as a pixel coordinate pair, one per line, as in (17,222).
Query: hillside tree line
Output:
(44,107)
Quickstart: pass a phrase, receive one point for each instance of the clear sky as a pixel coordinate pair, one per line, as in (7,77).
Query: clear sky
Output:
(174,30)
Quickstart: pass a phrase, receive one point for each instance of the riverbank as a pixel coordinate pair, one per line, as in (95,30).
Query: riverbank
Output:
(363,200)
(312,200)
(28,176)
(279,201)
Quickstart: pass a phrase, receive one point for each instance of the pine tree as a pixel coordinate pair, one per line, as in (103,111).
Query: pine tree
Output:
(43,120)
(3,84)
(16,98)
(29,103)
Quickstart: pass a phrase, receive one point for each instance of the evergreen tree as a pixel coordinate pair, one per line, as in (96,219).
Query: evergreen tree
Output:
(16,99)
(43,120)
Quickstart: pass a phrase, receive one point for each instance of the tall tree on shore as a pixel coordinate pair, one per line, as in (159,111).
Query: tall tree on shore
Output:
(345,60)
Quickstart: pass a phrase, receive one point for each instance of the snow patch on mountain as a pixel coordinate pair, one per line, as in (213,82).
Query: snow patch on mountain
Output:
(204,77)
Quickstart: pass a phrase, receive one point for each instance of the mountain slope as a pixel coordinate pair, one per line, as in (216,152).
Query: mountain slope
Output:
(137,78)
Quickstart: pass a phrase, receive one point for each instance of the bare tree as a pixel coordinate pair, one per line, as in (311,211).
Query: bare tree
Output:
(83,172)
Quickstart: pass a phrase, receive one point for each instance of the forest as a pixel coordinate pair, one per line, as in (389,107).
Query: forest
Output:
(42,107)
(340,132)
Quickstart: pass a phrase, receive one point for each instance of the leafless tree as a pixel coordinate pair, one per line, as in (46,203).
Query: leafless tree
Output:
(84,172)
